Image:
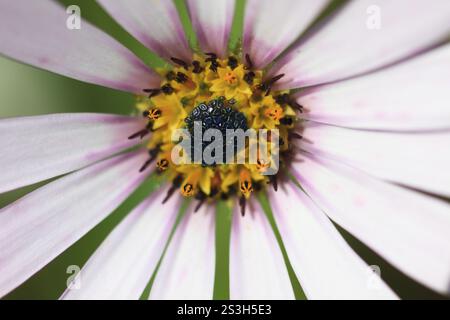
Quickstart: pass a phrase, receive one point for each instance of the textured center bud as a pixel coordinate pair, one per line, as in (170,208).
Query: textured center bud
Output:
(216,114)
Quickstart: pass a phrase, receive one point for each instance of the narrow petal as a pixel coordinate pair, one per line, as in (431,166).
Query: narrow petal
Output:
(35,32)
(43,147)
(37,228)
(155,23)
(212,22)
(411,96)
(270,27)
(187,269)
(418,160)
(123,265)
(324,263)
(408,229)
(257,268)
(364,36)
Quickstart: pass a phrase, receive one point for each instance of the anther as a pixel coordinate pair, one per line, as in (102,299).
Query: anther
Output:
(242,204)
(287,121)
(233,62)
(295,135)
(167,89)
(152,92)
(274,181)
(214,63)
(197,67)
(249,77)
(175,185)
(181,77)
(180,62)
(141,134)
(249,65)
(285,98)
(296,105)
(267,85)
(170,76)
(153,153)
(201,197)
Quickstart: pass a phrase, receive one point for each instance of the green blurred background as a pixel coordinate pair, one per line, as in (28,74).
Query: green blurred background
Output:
(25,90)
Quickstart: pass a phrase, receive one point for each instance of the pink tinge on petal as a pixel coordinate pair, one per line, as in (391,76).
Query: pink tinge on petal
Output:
(270,28)
(257,268)
(411,96)
(37,228)
(365,35)
(123,265)
(409,229)
(35,32)
(212,22)
(155,23)
(42,147)
(325,264)
(418,160)
(188,267)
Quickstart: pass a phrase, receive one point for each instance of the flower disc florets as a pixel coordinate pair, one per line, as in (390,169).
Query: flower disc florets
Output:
(219,94)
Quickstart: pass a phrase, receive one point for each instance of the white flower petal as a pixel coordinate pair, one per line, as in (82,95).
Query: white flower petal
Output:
(324,263)
(37,228)
(212,23)
(269,27)
(411,96)
(349,45)
(155,23)
(123,265)
(419,160)
(408,229)
(35,32)
(43,147)
(188,267)
(257,268)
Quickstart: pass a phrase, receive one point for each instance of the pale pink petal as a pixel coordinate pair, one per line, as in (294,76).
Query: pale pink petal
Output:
(349,45)
(42,147)
(269,27)
(410,230)
(37,228)
(123,265)
(324,263)
(155,23)
(35,32)
(411,96)
(257,267)
(188,267)
(212,23)
(418,160)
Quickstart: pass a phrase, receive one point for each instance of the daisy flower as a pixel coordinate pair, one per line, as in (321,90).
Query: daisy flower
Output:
(361,107)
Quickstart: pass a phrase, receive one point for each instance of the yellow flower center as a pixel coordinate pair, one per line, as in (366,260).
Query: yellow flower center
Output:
(248,102)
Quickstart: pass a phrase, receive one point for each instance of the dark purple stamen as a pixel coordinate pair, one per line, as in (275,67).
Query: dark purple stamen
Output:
(181,77)
(175,185)
(242,204)
(249,65)
(180,62)
(152,92)
(140,134)
(197,67)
